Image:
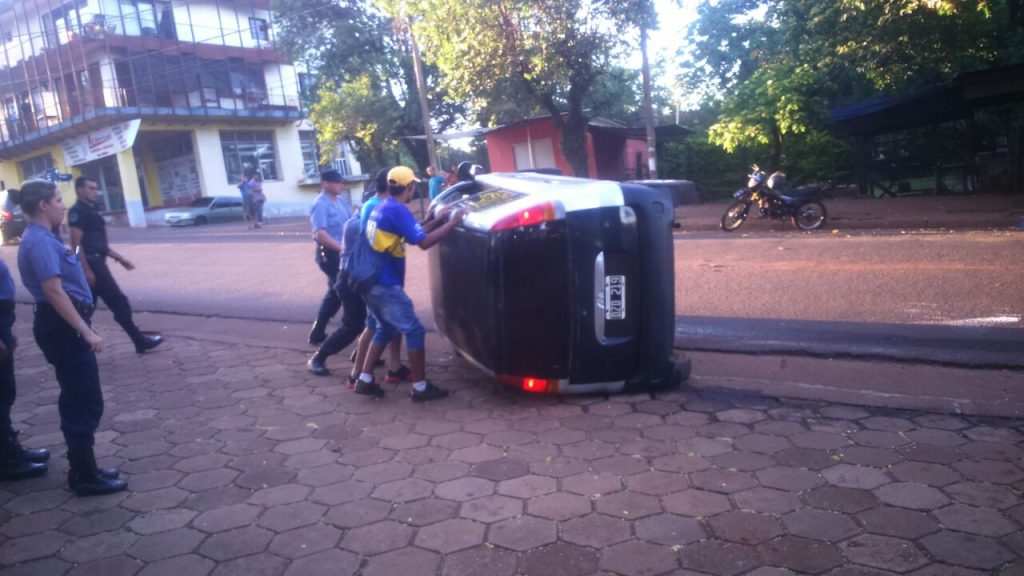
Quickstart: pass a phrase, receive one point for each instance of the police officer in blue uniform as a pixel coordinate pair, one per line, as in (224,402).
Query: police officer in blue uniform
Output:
(53,275)
(328,217)
(89,239)
(16,463)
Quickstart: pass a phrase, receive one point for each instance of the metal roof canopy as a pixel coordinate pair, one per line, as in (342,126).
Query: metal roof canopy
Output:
(934,105)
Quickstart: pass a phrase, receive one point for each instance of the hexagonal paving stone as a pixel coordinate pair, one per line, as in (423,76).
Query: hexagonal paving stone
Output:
(166,544)
(426,511)
(161,521)
(558,506)
(405,490)
(305,541)
(638,559)
(376,538)
(621,465)
(481,560)
(408,560)
(983,494)
(706,447)
(745,527)
(696,503)
(867,456)
(591,484)
(464,489)
(628,504)
(725,481)
(333,562)
(589,450)
(596,531)
(227,518)
(884,552)
(522,533)
(820,525)
(850,476)
(802,555)
(358,513)
(805,458)
(897,522)
(846,500)
(767,500)
(450,535)
(681,463)
(560,559)
(925,473)
(98,546)
(743,461)
(501,469)
(670,529)
(967,550)
(236,543)
(656,483)
(558,467)
(741,416)
(990,471)
(819,440)
(910,495)
(762,443)
(790,479)
(491,508)
(981,521)
(719,558)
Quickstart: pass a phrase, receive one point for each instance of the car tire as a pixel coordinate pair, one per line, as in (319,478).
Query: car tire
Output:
(201,220)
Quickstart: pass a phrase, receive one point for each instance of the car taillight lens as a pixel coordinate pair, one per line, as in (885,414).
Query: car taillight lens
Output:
(5,215)
(527,217)
(528,383)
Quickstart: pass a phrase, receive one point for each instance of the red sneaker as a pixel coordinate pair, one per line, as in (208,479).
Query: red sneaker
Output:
(400,375)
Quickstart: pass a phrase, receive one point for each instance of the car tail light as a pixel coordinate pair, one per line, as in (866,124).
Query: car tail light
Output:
(545,212)
(5,215)
(528,383)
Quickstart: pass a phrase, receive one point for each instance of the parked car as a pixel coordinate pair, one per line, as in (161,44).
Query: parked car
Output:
(563,285)
(12,221)
(206,209)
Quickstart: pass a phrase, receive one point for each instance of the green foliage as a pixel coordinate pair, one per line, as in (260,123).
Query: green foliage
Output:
(716,173)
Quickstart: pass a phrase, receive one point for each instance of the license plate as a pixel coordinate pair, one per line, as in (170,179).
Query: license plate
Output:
(615,297)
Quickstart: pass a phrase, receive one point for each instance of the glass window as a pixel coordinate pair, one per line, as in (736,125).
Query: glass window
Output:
(310,154)
(35,166)
(248,152)
(258,29)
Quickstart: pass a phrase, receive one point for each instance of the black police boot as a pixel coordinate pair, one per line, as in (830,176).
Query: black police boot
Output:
(148,343)
(316,365)
(39,456)
(85,479)
(319,332)
(14,466)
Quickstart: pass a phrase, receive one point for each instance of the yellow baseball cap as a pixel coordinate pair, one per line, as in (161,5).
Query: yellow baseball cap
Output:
(401,176)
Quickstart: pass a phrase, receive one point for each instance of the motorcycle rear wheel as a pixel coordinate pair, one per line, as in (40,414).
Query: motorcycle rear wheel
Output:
(810,216)
(735,216)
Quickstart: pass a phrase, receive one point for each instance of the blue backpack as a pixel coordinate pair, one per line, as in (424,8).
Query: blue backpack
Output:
(360,263)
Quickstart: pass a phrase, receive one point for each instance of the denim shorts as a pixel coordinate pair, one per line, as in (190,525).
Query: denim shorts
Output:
(393,309)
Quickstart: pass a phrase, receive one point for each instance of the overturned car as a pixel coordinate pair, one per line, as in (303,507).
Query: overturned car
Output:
(557,284)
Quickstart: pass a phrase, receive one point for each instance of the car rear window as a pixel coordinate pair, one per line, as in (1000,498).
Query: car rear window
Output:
(487,199)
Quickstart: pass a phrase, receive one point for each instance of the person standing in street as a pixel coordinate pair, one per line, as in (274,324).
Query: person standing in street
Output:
(89,240)
(328,217)
(16,463)
(55,278)
(245,190)
(435,182)
(257,198)
(389,228)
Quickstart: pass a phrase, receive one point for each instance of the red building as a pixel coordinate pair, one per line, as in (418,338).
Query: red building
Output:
(614,151)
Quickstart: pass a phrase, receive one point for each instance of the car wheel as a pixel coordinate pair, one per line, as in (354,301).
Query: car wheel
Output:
(201,220)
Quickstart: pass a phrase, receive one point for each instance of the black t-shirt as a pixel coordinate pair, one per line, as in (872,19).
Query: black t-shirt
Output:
(94,230)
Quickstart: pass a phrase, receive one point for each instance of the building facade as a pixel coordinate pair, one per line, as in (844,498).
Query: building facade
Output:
(160,101)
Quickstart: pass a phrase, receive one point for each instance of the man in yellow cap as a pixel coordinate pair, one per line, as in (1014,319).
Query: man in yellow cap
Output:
(389,228)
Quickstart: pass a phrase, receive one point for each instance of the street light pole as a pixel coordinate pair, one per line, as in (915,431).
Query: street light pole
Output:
(652,143)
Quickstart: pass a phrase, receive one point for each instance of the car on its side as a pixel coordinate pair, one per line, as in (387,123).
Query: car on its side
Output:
(205,210)
(12,221)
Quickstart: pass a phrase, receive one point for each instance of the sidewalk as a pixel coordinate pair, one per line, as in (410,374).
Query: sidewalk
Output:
(855,213)
(241,462)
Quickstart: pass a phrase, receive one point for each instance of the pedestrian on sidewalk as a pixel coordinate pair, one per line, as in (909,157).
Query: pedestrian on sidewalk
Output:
(245,190)
(16,463)
(390,226)
(89,239)
(55,278)
(340,338)
(328,217)
(258,199)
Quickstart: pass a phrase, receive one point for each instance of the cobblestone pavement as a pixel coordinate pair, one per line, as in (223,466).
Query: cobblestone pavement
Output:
(239,462)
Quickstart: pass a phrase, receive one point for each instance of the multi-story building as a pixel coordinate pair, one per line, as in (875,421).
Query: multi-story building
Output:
(160,101)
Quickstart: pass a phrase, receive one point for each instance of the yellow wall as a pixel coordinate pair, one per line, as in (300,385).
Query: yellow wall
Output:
(11,174)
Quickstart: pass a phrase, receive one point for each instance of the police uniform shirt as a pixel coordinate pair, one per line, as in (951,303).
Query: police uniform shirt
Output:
(42,256)
(86,217)
(6,283)
(330,215)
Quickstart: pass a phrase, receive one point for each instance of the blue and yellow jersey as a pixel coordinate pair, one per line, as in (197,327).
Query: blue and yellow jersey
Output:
(390,226)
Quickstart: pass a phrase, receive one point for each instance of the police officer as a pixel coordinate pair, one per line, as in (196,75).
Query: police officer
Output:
(16,463)
(89,238)
(328,217)
(53,275)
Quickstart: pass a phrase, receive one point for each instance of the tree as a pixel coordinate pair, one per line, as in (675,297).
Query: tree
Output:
(367,89)
(778,66)
(551,50)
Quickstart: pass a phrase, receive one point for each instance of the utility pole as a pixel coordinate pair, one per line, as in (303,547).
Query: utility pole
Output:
(652,142)
(421,87)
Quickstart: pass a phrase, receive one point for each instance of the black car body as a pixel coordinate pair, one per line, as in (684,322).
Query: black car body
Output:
(557,284)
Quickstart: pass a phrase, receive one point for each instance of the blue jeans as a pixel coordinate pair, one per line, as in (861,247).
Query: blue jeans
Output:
(393,309)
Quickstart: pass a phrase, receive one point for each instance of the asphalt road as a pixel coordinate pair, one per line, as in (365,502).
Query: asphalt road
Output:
(951,298)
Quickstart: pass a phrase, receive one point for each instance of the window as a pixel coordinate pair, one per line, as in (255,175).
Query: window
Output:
(258,29)
(35,166)
(310,154)
(248,152)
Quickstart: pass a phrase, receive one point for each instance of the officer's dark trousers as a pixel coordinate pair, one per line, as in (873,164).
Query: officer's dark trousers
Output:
(107,289)
(80,403)
(353,320)
(8,391)
(328,261)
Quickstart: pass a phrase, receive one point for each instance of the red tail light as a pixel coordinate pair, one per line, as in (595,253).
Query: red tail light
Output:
(528,383)
(5,215)
(535,385)
(527,217)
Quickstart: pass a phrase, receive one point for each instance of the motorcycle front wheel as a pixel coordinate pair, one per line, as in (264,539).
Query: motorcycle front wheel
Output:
(810,216)
(735,216)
